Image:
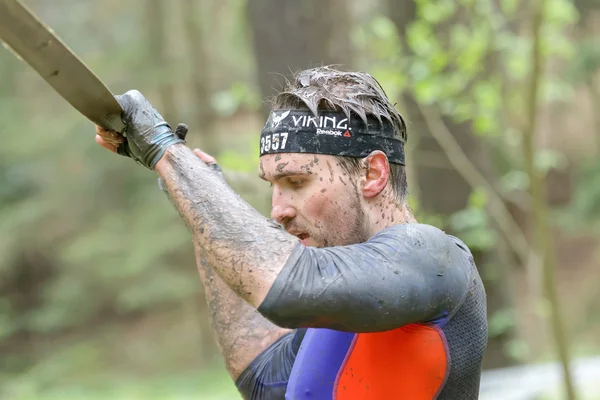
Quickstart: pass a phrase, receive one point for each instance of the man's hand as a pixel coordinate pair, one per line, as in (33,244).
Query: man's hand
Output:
(147,135)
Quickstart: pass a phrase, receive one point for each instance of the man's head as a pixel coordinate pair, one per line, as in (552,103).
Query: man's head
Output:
(333,151)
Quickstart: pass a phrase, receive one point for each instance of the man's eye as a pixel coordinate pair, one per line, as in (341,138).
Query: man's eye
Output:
(296,182)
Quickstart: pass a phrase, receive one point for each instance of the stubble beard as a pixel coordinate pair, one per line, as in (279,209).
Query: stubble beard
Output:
(358,232)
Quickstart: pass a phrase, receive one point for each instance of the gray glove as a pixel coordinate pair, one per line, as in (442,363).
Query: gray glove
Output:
(147,134)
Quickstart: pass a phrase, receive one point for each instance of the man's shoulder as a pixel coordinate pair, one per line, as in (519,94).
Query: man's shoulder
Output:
(423,236)
(412,228)
(418,232)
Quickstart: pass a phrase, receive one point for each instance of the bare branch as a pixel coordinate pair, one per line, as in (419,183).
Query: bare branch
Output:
(465,167)
(542,239)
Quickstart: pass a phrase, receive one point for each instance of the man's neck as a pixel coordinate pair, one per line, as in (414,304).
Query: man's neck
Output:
(386,214)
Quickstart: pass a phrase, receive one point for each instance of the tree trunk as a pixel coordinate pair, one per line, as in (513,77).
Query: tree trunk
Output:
(433,181)
(586,9)
(543,245)
(293,35)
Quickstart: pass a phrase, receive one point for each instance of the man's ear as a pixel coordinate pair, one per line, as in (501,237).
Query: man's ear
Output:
(377,174)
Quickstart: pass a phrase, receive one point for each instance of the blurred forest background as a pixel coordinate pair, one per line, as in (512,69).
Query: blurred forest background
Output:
(99,294)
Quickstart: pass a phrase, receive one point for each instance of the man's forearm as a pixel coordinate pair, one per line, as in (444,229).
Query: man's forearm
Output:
(247,250)
(242,333)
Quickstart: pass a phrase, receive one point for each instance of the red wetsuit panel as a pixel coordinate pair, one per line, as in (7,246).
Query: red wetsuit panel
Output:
(406,363)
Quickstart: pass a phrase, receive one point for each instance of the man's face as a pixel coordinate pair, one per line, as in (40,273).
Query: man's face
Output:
(315,198)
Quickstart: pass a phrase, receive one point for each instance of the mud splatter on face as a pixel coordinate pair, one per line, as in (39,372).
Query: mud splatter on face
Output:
(307,168)
(327,209)
(331,178)
(281,166)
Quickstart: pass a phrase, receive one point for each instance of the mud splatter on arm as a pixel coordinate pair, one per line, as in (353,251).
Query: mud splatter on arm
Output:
(241,332)
(246,250)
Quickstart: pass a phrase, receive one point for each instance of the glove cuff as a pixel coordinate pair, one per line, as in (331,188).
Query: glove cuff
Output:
(159,147)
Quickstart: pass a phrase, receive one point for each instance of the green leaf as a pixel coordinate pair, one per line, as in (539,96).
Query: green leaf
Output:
(509,7)
(467,3)
(479,239)
(547,159)
(478,198)
(460,37)
(427,91)
(487,95)
(555,43)
(517,51)
(383,28)
(514,181)
(438,11)
(517,350)
(462,112)
(225,103)
(420,38)
(554,89)
(501,321)
(420,70)
(560,13)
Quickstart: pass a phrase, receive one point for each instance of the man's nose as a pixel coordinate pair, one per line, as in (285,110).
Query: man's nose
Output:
(281,210)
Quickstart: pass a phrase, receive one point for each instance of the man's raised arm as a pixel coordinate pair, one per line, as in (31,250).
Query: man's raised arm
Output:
(249,252)
(246,249)
(241,331)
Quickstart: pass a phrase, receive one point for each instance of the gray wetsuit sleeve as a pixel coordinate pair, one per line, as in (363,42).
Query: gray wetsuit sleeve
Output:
(404,274)
(267,376)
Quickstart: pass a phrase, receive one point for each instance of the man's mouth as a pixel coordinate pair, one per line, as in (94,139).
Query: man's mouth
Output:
(302,236)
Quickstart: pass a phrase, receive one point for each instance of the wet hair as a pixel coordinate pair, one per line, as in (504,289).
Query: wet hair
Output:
(354,93)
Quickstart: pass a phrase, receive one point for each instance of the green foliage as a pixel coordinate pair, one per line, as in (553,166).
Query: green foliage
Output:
(208,385)
(425,217)
(471,60)
(112,244)
(472,223)
(501,321)
(584,209)
(586,60)
(379,42)
(238,96)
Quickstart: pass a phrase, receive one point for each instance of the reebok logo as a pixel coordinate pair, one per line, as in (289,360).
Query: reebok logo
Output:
(328,132)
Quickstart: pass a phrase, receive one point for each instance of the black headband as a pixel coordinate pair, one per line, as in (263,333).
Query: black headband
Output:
(332,133)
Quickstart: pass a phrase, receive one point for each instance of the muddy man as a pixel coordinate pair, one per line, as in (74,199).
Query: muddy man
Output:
(343,294)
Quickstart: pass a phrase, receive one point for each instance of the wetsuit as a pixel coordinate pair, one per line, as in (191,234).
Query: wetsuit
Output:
(401,316)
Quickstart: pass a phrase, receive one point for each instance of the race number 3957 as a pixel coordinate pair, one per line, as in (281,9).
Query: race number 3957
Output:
(273,142)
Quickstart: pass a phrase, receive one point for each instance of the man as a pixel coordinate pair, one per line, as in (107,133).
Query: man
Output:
(354,299)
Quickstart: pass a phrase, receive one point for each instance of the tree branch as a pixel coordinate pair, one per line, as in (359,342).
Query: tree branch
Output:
(465,167)
(542,240)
